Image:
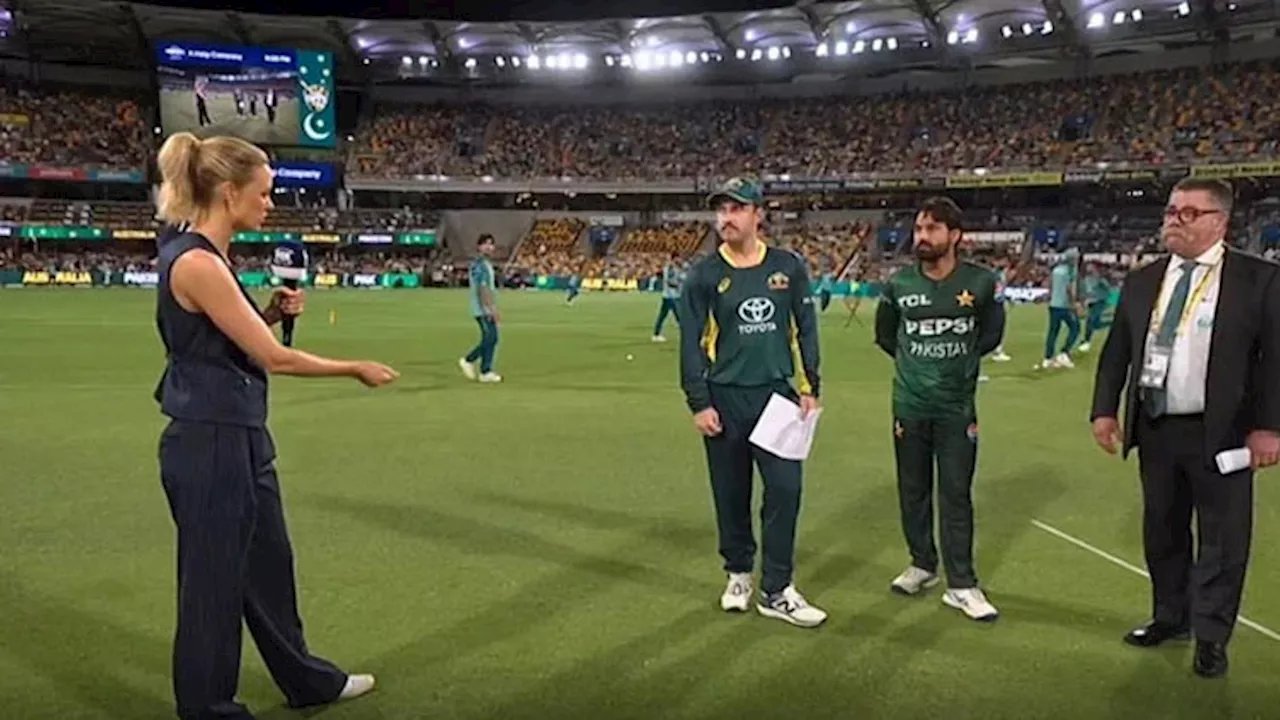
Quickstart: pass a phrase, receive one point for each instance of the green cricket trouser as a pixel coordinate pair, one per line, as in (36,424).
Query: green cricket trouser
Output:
(953,443)
(729,459)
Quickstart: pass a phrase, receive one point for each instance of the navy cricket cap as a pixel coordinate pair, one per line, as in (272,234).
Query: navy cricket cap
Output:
(740,189)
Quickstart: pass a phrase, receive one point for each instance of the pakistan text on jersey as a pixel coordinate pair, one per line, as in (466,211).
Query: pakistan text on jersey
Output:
(937,350)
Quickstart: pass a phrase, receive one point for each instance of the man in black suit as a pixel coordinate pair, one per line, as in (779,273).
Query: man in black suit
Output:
(1196,338)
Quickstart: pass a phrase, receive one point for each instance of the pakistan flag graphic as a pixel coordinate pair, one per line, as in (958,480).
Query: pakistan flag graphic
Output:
(315,88)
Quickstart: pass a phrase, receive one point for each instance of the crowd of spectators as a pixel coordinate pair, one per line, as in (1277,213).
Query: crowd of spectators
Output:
(73,128)
(1226,112)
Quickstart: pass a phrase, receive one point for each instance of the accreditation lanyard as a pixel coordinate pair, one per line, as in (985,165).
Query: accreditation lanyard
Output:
(1197,295)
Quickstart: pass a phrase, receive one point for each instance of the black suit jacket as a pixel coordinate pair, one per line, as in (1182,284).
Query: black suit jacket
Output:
(1243,387)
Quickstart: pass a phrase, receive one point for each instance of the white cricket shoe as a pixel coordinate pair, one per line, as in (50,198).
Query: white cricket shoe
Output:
(659,338)
(1001,356)
(468,369)
(491,377)
(737,594)
(972,602)
(790,605)
(1063,361)
(913,581)
(356,686)
(1084,347)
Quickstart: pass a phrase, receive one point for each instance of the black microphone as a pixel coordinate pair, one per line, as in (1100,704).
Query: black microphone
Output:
(289,264)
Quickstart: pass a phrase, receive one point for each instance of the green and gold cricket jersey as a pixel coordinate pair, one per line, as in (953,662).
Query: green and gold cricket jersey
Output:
(937,332)
(747,327)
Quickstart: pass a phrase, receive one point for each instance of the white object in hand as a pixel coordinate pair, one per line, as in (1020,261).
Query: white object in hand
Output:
(782,431)
(1230,461)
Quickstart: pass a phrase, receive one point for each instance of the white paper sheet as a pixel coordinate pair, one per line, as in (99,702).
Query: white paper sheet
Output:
(781,431)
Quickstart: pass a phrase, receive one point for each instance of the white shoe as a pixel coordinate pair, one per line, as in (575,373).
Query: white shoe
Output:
(737,594)
(1085,347)
(491,377)
(913,581)
(468,369)
(1063,361)
(790,605)
(984,378)
(1001,357)
(356,686)
(659,338)
(972,602)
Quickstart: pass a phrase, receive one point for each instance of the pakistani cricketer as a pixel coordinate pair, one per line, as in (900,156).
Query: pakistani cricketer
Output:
(672,281)
(937,319)
(478,364)
(747,326)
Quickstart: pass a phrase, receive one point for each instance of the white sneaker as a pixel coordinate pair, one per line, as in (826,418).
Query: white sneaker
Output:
(1001,356)
(468,369)
(737,594)
(491,377)
(972,602)
(913,581)
(356,686)
(1085,347)
(1063,361)
(984,378)
(659,338)
(790,605)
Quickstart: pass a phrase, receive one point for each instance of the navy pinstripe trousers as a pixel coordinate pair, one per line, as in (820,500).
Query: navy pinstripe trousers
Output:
(234,562)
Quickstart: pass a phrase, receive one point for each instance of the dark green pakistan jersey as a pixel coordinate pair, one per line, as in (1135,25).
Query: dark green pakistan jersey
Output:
(747,326)
(936,332)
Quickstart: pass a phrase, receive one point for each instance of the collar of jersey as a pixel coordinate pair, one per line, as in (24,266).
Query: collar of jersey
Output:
(764,250)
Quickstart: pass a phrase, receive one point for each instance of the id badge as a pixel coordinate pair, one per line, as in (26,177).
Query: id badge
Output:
(1156,367)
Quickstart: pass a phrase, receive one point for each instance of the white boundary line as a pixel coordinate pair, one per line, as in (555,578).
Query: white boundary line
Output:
(1137,570)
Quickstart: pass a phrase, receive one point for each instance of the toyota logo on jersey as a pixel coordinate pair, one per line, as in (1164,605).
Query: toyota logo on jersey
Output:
(756,315)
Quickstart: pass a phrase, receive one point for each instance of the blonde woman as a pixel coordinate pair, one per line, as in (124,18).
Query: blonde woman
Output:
(235,562)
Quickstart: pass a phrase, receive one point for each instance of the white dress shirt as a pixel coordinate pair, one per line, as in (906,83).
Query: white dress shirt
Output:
(1189,363)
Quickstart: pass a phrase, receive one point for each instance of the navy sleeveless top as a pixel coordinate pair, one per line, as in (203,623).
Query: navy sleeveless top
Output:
(207,377)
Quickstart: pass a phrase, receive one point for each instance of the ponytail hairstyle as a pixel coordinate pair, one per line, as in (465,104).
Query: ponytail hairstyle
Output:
(192,170)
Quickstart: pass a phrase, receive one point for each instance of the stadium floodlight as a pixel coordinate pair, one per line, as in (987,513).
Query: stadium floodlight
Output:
(786,51)
(891,43)
(500,61)
(851,27)
(1136,15)
(741,54)
(626,60)
(553,62)
(876,45)
(751,35)
(1096,20)
(1118,18)
(644,60)
(608,60)
(654,41)
(677,59)
(533,63)
(1047,27)
(1027,29)
(565,61)
(1006,31)
(756,55)
(859,46)
(464,43)
(1184,8)
(774,53)
(706,57)
(515,61)
(823,50)
(580,61)
(660,60)
(691,57)
(971,36)
(842,48)
(423,60)
(470,63)
(953,37)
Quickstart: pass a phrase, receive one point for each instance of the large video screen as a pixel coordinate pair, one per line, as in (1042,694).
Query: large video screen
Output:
(267,96)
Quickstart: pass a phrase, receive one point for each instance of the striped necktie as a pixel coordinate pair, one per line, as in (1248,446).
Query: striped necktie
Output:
(1155,400)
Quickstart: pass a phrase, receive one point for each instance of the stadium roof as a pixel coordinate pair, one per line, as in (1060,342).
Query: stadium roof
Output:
(911,33)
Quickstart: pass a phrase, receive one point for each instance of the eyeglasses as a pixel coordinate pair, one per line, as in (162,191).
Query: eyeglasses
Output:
(1186,215)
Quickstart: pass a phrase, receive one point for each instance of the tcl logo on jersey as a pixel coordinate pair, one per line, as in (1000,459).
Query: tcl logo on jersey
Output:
(914,301)
(933,327)
(756,315)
